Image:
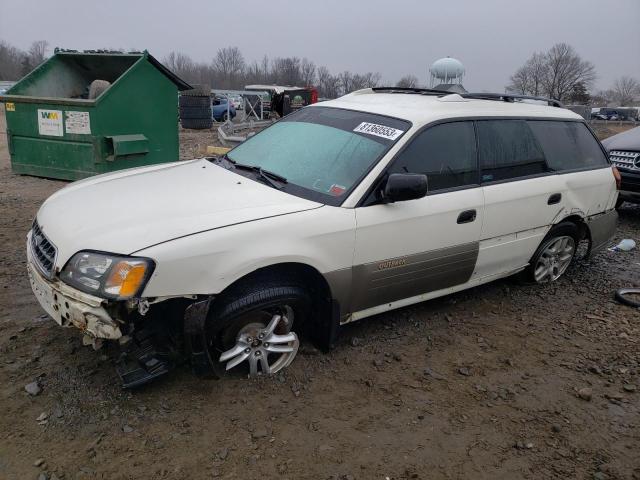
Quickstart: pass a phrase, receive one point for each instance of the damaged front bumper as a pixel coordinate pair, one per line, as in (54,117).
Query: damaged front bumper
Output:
(145,350)
(70,307)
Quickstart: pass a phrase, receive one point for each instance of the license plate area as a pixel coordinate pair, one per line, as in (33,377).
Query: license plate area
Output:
(44,294)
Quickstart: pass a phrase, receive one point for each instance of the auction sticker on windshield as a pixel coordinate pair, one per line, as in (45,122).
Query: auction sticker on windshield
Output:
(378,130)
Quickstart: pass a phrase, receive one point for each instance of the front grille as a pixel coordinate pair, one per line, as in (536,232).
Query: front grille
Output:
(44,252)
(625,159)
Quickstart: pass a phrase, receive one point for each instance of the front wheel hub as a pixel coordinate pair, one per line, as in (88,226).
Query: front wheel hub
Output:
(266,351)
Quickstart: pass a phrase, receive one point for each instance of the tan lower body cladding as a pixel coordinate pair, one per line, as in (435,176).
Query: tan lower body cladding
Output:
(376,283)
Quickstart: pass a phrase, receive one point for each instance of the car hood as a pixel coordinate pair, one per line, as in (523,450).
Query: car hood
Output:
(629,140)
(130,210)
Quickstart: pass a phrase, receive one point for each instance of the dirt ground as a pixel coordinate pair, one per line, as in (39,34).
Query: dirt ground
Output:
(499,382)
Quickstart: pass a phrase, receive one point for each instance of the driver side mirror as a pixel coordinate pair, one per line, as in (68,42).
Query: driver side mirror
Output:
(404,186)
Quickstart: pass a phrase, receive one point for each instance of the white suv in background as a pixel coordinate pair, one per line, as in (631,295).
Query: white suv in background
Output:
(382,198)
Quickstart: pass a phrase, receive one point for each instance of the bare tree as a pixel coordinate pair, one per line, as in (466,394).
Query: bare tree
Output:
(286,71)
(229,66)
(38,52)
(603,98)
(264,69)
(180,64)
(408,81)
(11,61)
(328,84)
(626,91)
(539,70)
(555,73)
(565,69)
(35,56)
(350,82)
(252,73)
(308,72)
(529,78)
(365,80)
(345,80)
(520,81)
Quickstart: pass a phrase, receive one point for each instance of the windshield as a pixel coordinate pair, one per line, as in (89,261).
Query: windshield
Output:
(323,152)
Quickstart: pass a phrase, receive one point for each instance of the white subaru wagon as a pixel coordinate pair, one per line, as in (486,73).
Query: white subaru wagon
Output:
(380,199)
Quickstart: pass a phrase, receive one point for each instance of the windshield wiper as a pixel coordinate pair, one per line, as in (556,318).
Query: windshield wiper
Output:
(265,175)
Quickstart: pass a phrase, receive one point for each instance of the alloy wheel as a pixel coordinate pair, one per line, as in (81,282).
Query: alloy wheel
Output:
(266,346)
(554,259)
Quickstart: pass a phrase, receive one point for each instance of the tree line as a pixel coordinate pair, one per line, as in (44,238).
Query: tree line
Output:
(229,70)
(560,73)
(16,63)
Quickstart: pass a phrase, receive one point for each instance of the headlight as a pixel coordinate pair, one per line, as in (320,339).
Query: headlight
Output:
(107,275)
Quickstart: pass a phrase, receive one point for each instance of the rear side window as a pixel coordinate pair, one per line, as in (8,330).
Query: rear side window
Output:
(508,149)
(568,145)
(446,153)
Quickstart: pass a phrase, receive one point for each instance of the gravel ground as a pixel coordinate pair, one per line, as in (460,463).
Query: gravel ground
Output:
(501,381)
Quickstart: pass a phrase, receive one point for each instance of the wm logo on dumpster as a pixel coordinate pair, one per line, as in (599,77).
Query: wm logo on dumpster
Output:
(49,115)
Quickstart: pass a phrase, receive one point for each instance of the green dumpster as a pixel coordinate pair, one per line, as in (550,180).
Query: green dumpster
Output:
(83,113)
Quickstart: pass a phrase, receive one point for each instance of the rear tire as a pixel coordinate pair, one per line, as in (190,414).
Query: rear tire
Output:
(554,255)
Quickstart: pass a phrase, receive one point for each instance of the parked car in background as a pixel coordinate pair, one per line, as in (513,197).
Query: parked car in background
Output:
(221,110)
(618,113)
(377,200)
(624,153)
(604,115)
(236,101)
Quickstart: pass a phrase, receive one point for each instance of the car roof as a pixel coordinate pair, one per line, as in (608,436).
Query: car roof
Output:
(422,109)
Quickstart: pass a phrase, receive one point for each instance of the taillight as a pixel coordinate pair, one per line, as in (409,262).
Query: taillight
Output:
(616,175)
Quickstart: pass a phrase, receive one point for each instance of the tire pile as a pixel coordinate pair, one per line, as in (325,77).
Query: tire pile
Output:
(195,108)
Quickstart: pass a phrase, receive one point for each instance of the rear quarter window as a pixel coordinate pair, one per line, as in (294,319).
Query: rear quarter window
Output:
(568,145)
(508,150)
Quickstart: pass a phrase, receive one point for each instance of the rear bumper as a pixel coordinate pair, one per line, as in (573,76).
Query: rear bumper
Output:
(602,228)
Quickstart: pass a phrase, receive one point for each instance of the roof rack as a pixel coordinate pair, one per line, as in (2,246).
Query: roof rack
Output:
(420,91)
(512,97)
(502,97)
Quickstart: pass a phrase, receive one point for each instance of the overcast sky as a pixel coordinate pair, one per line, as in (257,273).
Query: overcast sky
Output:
(491,37)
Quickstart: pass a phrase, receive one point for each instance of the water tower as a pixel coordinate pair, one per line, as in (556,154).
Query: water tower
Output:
(447,74)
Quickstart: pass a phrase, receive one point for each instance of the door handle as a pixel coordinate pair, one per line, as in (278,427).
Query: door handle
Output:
(555,198)
(467,216)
